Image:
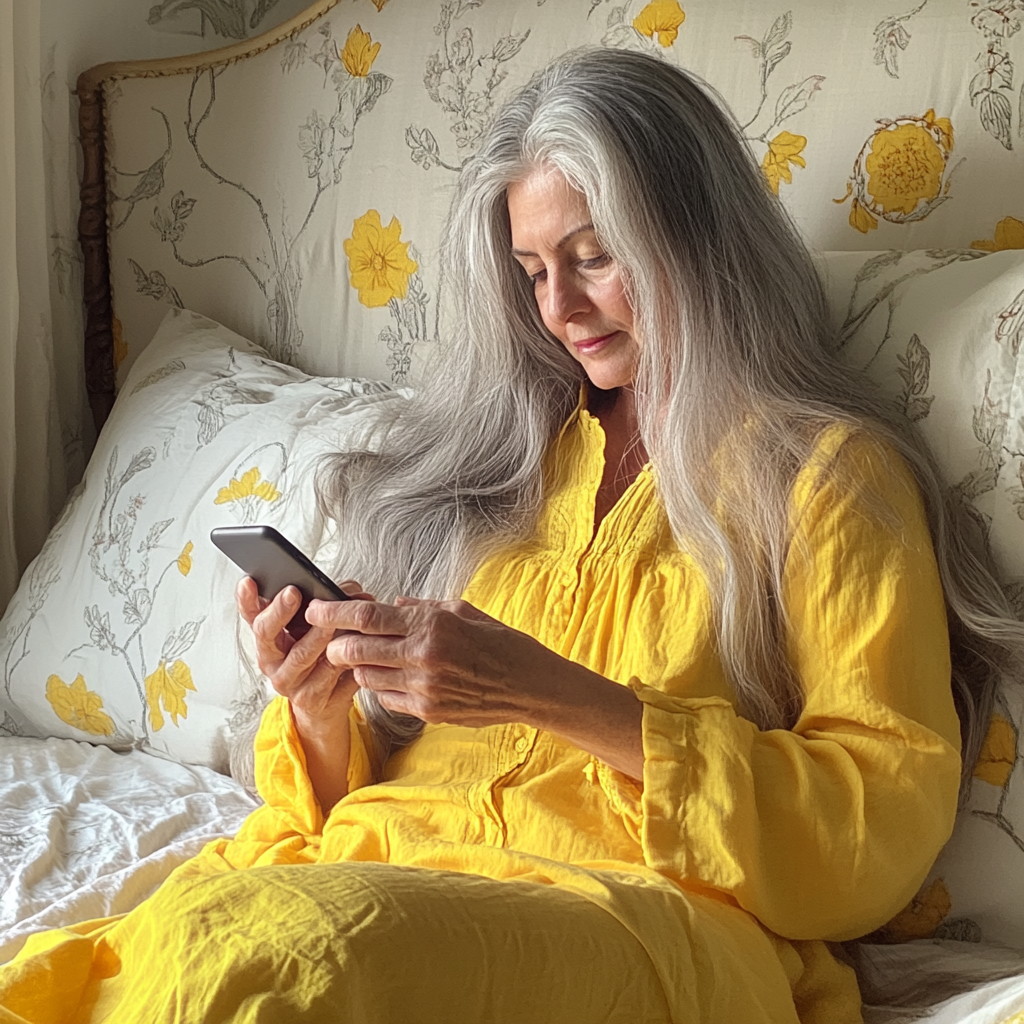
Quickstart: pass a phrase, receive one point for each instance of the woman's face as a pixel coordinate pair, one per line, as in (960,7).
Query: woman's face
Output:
(577,285)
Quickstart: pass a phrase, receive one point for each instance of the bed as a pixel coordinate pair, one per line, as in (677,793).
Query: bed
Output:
(260,229)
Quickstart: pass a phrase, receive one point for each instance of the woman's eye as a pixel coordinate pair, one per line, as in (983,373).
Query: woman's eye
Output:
(539,276)
(594,262)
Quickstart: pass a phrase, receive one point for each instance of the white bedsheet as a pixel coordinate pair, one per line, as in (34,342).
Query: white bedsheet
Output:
(87,833)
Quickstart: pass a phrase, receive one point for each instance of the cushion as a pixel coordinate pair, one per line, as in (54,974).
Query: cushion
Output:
(124,630)
(941,332)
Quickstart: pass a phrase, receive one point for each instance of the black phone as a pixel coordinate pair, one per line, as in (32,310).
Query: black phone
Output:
(274,562)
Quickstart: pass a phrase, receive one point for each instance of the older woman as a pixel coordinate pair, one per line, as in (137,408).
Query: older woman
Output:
(692,719)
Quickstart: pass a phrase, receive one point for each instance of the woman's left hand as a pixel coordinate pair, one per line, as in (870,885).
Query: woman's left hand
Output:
(448,662)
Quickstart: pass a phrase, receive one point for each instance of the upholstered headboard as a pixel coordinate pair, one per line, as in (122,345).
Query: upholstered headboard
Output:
(293,186)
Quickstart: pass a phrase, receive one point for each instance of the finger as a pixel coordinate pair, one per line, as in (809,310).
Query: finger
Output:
(361,617)
(308,650)
(463,609)
(269,625)
(351,649)
(247,599)
(355,591)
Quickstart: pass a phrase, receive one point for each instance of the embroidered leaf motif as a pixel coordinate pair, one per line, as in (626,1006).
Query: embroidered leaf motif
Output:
(423,147)
(180,640)
(138,607)
(155,533)
(660,18)
(248,486)
(10,727)
(167,686)
(99,628)
(359,53)
(173,367)
(998,752)
(915,368)
(1009,234)
(78,706)
(874,266)
(796,97)
(995,117)
(226,17)
(783,150)
(184,561)
(1010,328)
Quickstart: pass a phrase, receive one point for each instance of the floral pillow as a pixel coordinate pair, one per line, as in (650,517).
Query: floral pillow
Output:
(124,630)
(941,330)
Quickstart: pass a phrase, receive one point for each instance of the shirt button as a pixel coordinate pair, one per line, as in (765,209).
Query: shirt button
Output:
(522,743)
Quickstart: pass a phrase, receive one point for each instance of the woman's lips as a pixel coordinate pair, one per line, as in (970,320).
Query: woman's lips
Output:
(590,345)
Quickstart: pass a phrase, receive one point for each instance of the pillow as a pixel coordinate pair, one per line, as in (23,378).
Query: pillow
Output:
(124,630)
(942,331)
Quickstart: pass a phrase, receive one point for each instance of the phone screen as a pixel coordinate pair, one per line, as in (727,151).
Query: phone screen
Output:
(275,563)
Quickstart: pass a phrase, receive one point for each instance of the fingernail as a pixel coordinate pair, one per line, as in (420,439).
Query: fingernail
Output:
(292,596)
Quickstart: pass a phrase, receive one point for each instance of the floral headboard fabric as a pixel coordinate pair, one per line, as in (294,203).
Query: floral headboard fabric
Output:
(297,196)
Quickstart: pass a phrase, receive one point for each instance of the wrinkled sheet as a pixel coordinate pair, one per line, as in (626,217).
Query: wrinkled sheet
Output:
(86,832)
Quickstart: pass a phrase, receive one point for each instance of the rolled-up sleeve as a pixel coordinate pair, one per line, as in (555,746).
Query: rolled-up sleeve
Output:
(824,831)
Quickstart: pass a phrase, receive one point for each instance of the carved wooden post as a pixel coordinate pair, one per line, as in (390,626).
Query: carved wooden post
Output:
(92,234)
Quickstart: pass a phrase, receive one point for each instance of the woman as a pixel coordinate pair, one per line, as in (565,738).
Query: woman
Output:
(692,719)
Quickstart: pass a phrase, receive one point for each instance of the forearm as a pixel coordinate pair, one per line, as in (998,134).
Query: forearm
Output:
(597,715)
(327,749)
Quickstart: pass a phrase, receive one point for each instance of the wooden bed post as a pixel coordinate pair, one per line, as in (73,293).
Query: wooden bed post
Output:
(92,234)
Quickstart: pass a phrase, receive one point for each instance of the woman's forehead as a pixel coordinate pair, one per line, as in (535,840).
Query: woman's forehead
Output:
(545,207)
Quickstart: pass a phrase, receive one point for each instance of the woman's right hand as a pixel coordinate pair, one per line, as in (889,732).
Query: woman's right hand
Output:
(320,695)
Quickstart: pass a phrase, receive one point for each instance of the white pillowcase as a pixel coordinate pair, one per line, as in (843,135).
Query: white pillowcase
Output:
(124,629)
(942,331)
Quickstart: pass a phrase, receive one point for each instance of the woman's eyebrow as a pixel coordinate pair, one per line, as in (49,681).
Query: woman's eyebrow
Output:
(565,238)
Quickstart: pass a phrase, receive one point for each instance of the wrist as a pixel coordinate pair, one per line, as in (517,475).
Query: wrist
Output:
(320,729)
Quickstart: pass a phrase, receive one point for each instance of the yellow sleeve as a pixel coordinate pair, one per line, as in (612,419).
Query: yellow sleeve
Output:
(825,831)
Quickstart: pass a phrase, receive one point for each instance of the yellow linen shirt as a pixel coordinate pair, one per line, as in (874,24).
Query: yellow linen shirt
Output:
(744,849)
(820,833)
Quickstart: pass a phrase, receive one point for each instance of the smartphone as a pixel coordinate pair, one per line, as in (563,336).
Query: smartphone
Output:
(274,562)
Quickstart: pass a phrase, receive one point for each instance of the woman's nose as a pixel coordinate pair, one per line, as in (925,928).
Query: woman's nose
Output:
(565,297)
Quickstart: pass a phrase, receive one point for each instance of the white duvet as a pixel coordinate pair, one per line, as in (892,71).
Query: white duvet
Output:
(86,833)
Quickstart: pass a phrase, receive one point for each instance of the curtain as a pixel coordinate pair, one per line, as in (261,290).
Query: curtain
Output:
(33,482)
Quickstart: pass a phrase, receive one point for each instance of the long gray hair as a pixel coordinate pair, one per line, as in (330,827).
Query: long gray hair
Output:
(734,329)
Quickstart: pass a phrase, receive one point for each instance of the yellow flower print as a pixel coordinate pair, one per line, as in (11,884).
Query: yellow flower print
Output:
(359,53)
(783,150)
(900,173)
(662,17)
(861,219)
(379,4)
(249,486)
(904,166)
(378,262)
(79,706)
(926,911)
(185,558)
(1009,235)
(167,685)
(998,752)
(120,347)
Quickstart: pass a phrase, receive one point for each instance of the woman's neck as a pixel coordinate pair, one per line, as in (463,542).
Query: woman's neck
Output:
(624,452)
